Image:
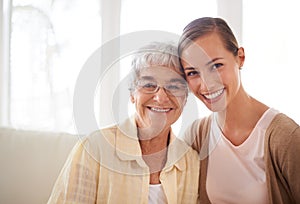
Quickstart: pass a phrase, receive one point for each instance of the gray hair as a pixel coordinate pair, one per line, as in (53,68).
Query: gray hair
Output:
(154,54)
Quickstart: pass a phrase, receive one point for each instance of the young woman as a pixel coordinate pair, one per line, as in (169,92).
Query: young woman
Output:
(249,151)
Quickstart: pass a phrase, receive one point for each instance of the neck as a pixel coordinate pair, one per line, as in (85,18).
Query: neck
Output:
(155,143)
(240,109)
(240,117)
(154,152)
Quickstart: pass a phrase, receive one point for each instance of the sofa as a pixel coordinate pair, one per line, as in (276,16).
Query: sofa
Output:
(30,163)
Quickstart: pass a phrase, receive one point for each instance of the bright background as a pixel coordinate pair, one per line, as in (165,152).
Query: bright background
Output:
(45,43)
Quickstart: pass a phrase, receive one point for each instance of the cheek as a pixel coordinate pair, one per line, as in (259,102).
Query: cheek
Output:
(231,77)
(140,98)
(193,85)
(180,102)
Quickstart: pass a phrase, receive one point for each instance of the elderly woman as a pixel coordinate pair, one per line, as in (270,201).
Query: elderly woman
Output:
(139,160)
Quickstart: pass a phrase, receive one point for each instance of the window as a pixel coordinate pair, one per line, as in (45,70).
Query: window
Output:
(49,43)
(50,40)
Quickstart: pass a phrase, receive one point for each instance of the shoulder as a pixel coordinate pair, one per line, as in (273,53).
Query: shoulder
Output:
(97,142)
(282,121)
(184,149)
(283,132)
(192,155)
(282,128)
(197,132)
(202,124)
(193,128)
(182,155)
(98,135)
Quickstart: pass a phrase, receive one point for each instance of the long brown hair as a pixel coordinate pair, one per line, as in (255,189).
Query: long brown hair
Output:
(204,26)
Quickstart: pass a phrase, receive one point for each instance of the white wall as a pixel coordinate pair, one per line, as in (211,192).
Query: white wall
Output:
(232,12)
(4,73)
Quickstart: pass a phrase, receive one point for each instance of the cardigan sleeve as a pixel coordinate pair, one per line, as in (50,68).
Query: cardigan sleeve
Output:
(291,164)
(284,163)
(191,135)
(196,135)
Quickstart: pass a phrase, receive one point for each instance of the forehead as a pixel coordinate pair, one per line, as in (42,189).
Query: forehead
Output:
(203,50)
(159,73)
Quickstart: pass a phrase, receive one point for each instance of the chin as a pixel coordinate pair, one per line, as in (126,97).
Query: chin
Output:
(215,107)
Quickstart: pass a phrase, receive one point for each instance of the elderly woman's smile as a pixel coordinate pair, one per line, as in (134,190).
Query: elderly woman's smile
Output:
(160,110)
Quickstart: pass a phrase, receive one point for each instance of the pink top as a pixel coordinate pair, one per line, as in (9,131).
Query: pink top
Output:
(236,174)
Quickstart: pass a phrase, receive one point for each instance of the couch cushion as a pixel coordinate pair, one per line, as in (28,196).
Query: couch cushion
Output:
(30,163)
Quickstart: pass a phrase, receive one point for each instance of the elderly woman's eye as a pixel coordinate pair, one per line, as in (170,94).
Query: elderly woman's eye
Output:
(192,73)
(149,85)
(173,87)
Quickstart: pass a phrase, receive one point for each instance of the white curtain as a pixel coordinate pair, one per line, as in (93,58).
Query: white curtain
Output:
(50,41)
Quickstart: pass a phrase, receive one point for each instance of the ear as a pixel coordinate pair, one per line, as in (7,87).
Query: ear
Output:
(132,98)
(241,57)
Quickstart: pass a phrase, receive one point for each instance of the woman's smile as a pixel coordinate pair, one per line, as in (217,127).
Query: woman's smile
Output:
(160,110)
(214,95)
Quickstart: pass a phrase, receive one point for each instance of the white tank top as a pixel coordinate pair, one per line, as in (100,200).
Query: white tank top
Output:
(156,194)
(236,174)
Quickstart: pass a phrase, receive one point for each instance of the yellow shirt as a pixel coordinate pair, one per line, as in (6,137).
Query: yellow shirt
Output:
(107,167)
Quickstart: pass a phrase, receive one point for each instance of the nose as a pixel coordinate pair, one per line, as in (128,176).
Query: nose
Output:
(207,81)
(161,95)
(200,83)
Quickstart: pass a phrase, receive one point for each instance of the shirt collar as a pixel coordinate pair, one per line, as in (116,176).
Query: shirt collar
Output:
(128,146)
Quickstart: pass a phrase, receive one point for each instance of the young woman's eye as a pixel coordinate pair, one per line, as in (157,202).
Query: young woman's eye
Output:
(192,73)
(216,66)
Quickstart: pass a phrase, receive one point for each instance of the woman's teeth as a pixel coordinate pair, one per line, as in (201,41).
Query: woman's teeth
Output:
(161,110)
(214,94)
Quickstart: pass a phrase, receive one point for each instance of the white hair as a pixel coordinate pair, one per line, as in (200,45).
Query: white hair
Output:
(154,54)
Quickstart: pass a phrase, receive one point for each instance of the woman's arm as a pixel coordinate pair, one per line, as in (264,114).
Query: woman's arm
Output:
(78,180)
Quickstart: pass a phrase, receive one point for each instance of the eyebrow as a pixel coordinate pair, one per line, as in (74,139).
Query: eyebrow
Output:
(189,68)
(182,81)
(147,77)
(213,60)
(208,63)
(177,80)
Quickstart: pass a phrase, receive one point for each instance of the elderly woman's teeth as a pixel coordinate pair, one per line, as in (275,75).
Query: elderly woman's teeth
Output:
(161,110)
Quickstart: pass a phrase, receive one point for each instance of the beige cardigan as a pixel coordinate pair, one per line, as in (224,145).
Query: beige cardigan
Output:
(282,158)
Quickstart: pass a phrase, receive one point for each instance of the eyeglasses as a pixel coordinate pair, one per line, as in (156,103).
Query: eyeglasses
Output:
(176,88)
